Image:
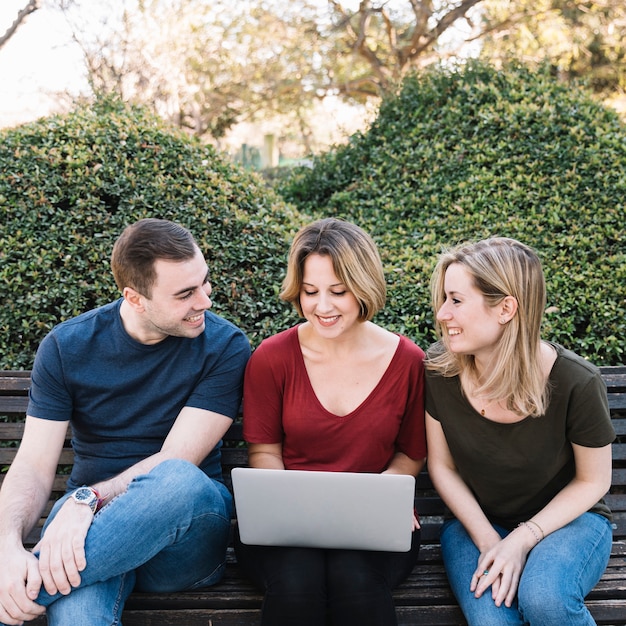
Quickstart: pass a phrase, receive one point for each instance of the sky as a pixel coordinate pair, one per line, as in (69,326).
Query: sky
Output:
(38,61)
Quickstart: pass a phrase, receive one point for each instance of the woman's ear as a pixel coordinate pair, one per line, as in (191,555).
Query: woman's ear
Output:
(508,309)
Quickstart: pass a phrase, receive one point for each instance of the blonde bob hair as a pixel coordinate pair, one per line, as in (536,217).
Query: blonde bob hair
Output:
(355,260)
(500,267)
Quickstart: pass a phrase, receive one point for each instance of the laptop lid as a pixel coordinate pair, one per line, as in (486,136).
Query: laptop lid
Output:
(316,509)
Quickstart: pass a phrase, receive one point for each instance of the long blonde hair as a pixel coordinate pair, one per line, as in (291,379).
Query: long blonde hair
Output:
(500,267)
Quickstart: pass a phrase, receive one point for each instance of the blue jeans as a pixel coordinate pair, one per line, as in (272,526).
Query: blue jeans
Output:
(559,572)
(167,532)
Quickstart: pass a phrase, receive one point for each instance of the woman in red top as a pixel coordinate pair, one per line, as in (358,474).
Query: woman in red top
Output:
(334,393)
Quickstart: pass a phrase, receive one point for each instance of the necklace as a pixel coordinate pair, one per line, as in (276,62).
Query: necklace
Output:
(485,407)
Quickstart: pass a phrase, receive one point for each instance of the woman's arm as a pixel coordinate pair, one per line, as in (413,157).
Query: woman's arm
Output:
(266,455)
(453,490)
(403,464)
(460,500)
(591,482)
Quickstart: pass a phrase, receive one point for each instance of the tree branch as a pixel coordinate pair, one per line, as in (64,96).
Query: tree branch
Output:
(422,40)
(31,7)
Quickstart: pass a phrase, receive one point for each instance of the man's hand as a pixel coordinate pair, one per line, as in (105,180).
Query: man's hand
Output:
(62,547)
(20,583)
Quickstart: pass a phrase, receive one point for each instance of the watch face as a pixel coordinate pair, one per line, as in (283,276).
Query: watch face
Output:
(83,494)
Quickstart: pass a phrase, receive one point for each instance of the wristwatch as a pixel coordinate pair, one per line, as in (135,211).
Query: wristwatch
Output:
(87,495)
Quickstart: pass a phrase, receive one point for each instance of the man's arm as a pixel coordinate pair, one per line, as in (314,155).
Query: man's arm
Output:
(192,437)
(25,492)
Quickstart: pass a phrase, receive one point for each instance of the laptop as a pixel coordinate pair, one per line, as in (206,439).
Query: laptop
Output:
(315,509)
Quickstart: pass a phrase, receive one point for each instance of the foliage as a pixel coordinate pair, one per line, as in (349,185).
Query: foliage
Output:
(70,184)
(209,65)
(579,39)
(206,65)
(464,155)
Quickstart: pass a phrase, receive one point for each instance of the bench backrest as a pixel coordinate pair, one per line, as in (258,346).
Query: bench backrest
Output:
(14,398)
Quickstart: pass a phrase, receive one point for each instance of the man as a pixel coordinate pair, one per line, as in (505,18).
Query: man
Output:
(149,383)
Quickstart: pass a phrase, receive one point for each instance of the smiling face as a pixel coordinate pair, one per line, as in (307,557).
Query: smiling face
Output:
(178,301)
(471,327)
(325,301)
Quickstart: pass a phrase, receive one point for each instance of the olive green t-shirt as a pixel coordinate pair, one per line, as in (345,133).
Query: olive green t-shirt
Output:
(514,470)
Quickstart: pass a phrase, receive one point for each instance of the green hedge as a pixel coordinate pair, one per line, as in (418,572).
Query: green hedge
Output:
(454,156)
(70,184)
(463,155)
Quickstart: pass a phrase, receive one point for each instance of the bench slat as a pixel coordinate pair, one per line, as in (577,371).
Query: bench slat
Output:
(617,401)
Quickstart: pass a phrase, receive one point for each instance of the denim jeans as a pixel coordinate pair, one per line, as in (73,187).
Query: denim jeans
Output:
(167,532)
(559,572)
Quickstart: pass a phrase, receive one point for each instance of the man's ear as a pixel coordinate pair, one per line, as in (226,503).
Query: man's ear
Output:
(134,299)
(508,309)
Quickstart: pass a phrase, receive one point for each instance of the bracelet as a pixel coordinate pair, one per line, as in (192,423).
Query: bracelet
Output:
(531,521)
(532,530)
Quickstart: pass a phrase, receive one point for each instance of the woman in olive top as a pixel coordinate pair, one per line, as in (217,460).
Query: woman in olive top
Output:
(519,441)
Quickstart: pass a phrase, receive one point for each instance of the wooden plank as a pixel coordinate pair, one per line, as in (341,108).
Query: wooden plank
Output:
(11,431)
(618,477)
(234,457)
(619,424)
(13,405)
(609,613)
(614,376)
(14,380)
(617,401)
(206,617)
(619,452)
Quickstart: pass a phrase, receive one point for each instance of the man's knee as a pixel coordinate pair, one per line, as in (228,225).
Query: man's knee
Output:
(178,483)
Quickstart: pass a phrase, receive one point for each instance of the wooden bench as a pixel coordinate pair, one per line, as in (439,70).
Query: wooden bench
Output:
(425,598)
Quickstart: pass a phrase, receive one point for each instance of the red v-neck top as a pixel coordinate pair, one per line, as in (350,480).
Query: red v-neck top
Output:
(280,406)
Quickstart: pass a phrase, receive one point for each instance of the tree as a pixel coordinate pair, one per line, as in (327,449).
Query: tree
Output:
(391,38)
(579,39)
(207,65)
(22,14)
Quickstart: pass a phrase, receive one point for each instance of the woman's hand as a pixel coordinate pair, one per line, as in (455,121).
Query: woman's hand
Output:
(501,567)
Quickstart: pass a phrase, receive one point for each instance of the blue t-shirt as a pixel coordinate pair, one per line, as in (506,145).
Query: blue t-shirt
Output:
(122,397)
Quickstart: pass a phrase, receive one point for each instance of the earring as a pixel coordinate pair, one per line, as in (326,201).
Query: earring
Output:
(502,321)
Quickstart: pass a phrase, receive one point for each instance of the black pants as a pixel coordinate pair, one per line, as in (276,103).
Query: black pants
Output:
(314,587)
